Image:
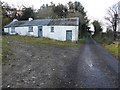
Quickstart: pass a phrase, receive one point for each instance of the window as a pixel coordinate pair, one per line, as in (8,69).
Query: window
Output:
(12,29)
(52,29)
(30,29)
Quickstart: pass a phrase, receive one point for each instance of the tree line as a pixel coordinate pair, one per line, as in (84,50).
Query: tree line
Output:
(52,11)
(112,24)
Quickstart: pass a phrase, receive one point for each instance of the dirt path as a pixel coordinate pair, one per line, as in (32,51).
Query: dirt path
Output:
(48,66)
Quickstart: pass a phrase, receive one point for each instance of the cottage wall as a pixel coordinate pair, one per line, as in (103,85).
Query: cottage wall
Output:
(35,31)
(60,32)
(23,31)
(6,30)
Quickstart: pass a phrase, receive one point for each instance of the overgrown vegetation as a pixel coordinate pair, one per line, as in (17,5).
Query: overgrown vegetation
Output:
(5,48)
(114,49)
(33,40)
(106,39)
(112,18)
(110,45)
(97,27)
(0,49)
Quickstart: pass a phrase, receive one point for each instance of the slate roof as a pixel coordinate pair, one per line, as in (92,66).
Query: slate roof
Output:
(37,22)
(15,24)
(44,22)
(65,22)
(28,23)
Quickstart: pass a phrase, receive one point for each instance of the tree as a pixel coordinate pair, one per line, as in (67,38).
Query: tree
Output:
(97,27)
(82,14)
(0,16)
(43,6)
(112,18)
(109,33)
(46,12)
(27,13)
(78,6)
(70,5)
(6,13)
(60,10)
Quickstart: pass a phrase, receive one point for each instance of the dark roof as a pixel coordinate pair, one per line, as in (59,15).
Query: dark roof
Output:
(37,22)
(65,21)
(15,24)
(29,23)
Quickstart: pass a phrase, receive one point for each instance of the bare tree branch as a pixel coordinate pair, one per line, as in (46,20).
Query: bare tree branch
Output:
(107,18)
(112,17)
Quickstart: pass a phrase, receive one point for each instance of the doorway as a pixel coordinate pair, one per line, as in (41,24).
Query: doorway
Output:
(40,33)
(69,35)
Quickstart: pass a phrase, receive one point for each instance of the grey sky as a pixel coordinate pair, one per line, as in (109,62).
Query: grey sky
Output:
(96,8)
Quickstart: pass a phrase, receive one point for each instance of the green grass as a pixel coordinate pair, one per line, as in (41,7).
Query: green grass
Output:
(5,48)
(0,48)
(33,40)
(114,49)
(102,40)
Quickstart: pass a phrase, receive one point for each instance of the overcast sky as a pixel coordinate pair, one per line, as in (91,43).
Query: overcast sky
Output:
(96,8)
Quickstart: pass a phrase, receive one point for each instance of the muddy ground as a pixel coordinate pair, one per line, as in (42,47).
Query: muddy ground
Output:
(39,65)
(52,66)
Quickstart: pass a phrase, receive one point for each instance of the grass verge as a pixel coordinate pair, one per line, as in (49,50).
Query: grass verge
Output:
(0,49)
(5,48)
(113,48)
(33,40)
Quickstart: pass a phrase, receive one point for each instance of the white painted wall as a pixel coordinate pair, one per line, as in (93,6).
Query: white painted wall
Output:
(35,31)
(6,30)
(23,31)
(60,32)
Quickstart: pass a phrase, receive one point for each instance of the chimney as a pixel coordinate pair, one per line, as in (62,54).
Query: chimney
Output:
(30,19)
(14,20)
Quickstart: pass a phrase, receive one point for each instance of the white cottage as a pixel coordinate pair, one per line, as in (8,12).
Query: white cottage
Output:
(59,29)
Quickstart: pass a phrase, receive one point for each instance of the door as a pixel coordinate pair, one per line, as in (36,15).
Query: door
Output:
(40,33)
(69,35)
